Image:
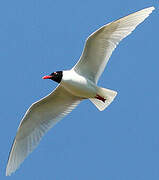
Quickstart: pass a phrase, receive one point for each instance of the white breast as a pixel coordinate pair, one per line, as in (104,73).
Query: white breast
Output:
(78,85)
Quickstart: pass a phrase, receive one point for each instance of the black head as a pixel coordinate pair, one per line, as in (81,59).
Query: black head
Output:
(55,76)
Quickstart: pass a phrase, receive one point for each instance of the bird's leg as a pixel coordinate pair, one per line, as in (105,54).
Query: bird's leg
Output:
(100,98)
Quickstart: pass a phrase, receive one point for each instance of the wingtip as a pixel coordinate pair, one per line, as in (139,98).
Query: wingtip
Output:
(8,172)
(150,8)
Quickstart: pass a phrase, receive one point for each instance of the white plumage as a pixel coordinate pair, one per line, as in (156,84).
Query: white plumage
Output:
(100,45)
(77,84)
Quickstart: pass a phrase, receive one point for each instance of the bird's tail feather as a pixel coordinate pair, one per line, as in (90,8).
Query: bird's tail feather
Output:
(107,94)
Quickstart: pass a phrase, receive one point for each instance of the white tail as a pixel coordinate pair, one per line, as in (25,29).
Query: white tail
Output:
(108,94)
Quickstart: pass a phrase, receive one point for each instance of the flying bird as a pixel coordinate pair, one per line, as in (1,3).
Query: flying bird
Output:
(75,85)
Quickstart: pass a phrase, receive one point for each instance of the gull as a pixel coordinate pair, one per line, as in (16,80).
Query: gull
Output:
(74,85)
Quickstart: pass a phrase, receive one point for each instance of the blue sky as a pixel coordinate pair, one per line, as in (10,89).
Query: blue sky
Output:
(121,143)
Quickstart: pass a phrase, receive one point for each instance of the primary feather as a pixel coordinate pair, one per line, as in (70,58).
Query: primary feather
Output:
(100,45)
(39,118)
(80,81)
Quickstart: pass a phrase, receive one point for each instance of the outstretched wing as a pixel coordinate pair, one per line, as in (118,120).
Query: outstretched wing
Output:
(100,45)
(39,118)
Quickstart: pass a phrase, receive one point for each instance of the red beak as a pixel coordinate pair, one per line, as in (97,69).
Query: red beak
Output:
(47,77)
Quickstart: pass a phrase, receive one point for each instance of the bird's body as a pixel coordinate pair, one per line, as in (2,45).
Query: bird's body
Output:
(78,85)
(75,85)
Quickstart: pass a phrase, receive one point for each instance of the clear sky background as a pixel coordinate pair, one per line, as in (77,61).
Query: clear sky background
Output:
(121,143)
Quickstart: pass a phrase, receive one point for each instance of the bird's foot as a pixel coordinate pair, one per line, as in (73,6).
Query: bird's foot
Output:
(100,98)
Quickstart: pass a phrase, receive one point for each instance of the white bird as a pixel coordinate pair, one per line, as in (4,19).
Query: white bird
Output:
(75,85)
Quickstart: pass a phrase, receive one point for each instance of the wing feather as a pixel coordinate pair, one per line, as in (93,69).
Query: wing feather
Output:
(39,118)
(100,45)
